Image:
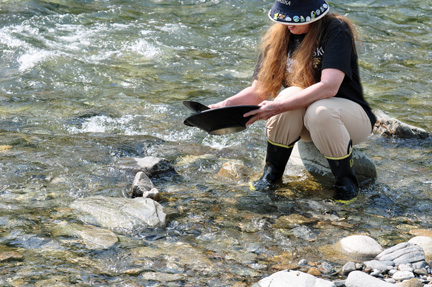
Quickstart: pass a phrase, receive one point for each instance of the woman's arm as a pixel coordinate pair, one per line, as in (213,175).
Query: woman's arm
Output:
(248,96)
(331,80)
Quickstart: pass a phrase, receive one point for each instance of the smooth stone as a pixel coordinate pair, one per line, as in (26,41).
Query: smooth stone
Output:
(122,215)
(405,267)
(307,156)
(361,279)
(348,268)
(402,253)
(150,165)
(359,247)
(411,283)
(403,275)
(293,279)
(424,242)
(376,264)
(143,186)
(421,271)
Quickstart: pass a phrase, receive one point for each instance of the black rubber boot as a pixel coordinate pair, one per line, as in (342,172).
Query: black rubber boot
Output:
(346,186)
(276,160)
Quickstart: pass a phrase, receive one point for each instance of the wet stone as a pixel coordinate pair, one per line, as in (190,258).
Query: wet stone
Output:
(10,256)
(122,215)
(142,186)
(150,165)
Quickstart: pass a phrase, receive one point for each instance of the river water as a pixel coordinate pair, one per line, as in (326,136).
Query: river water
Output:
(86,83)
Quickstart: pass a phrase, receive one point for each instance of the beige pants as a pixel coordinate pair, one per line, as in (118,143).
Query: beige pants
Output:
(329,123)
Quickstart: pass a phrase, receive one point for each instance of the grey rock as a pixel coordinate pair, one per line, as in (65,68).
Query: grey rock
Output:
(307,155)
(142,186)
(348,268)
(361,279)
(388,126)
(327,267)
(402,253)
(150,165)
(376,264)
(293,279)
(122,215)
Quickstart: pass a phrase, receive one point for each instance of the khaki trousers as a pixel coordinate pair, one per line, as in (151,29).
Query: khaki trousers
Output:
(329,123)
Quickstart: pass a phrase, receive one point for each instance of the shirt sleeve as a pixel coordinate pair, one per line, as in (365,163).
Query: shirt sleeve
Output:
(338,50)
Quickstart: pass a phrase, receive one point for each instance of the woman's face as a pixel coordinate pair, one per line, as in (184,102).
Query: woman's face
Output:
(298,29)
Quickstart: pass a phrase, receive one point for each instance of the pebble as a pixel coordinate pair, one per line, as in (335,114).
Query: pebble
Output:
(376,264)
(403,275)
(348,268)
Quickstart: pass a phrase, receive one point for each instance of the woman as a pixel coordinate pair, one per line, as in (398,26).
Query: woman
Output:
(312,54)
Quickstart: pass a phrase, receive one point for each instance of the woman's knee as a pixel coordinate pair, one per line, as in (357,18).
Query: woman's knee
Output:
(288,92)
(320,113)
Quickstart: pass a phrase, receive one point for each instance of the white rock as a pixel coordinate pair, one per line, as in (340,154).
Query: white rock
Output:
(360,247)
(403,275)
(293,279)
(424,242)
(361,279)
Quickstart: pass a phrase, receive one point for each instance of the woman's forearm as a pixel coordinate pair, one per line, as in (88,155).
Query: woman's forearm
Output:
(247,96)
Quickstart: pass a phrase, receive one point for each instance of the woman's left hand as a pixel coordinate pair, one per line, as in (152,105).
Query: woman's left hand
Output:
(267,110)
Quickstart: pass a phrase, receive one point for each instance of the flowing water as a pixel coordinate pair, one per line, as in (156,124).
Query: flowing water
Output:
(86,83)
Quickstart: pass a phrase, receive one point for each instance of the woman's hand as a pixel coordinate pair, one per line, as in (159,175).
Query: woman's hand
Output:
(267,110)
(218,105)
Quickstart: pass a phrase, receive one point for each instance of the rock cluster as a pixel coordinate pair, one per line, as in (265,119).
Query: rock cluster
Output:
(401,265)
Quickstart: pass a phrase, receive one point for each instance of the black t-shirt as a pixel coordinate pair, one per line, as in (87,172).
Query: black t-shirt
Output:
(336,51)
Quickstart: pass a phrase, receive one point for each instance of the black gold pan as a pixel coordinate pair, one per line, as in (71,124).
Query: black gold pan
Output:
(218,121)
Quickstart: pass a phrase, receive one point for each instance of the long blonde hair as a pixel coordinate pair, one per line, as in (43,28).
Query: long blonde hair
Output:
(274,47)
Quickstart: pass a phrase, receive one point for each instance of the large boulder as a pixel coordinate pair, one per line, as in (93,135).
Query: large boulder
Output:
(122,215)
(307,155)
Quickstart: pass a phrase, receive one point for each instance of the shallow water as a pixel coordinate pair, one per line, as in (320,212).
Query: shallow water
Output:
(84,84)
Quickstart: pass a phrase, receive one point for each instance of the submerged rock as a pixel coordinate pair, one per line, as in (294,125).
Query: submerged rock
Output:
(122,215)
(94,238)
(235,171)
(307,155)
